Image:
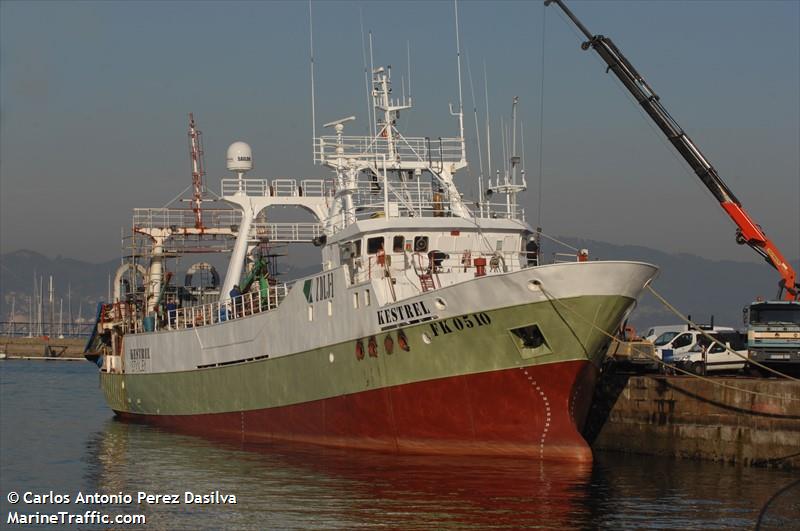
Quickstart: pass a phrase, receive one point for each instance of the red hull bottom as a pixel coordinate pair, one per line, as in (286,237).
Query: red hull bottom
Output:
(532,412)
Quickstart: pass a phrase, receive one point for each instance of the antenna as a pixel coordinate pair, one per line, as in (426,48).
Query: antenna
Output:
(460,100)
(313,109)
(366,75)
(503,143)
(522,145)
(372,73)
(342,121)
(488,128)
(477,130)
(408,57)
(514,157)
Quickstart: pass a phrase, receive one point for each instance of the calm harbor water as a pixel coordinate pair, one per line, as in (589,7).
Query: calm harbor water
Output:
(56,434)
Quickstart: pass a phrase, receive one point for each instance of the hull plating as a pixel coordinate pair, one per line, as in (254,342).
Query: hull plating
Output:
(528,411)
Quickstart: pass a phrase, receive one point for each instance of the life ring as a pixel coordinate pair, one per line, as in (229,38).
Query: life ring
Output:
(402,341)
(359,350)
(372,347)
(388,344)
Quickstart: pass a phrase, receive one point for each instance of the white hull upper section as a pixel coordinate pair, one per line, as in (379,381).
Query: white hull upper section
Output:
(322,310)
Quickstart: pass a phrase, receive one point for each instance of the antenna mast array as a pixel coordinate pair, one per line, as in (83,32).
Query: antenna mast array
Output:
(510,185)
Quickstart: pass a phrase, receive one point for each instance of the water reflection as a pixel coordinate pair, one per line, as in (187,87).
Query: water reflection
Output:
(295,486)
(57,434)
(301,486)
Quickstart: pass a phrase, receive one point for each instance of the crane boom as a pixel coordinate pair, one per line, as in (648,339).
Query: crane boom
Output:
(747,231)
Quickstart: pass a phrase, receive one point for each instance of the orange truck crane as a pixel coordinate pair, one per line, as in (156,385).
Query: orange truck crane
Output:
(747,232)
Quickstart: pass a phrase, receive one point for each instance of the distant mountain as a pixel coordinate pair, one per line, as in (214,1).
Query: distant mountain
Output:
(87,281)
(695,285)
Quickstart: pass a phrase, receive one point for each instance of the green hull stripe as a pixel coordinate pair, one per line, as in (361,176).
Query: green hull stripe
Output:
(454,349)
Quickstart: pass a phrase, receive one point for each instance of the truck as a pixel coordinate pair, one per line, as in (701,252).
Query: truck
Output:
(773,335)
(773,326)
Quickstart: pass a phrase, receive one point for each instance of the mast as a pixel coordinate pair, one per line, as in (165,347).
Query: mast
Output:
(198,171)
(460,99)
(509,184)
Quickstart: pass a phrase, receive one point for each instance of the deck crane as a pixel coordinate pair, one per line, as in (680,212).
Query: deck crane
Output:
(747,232)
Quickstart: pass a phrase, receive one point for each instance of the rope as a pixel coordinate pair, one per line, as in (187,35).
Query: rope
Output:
(558,241)
(541,121)
(705,334)
(552,300)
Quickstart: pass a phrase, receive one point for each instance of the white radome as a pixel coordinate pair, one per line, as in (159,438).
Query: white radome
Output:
(240,157)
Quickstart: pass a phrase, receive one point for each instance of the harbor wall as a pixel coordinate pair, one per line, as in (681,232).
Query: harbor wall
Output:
(688,417)
(36,347)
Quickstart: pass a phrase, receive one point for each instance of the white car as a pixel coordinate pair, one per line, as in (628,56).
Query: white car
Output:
(672,346)
(706,358)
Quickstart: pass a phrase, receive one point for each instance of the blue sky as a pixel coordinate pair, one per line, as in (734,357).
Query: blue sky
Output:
(94,98)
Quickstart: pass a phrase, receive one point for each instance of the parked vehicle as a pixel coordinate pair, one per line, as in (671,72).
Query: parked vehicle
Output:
(654,332)
(773,334)
(706,357)
(671,346)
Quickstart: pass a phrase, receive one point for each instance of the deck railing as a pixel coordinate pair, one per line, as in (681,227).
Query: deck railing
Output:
(277,187)
(414,149)
(184,217)
(247,304)
(454,263)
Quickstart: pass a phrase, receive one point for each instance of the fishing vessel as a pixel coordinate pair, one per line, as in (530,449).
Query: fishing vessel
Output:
(433,325)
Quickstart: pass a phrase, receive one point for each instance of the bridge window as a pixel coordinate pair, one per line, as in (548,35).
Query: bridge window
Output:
(398,243)
(367,300)
(355,300)
(374,245)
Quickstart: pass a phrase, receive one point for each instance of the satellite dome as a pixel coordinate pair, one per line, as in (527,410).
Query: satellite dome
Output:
(240,157)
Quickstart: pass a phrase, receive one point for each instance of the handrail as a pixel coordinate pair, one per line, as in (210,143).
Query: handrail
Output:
(411,197)
(244,305)
(450,267)
(416,149)
(279,187)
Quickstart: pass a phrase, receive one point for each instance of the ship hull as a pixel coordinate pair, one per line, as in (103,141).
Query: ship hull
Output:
(525,411)
(514,379)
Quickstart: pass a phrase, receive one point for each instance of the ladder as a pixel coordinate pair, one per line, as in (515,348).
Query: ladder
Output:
(425,275)
(426,281)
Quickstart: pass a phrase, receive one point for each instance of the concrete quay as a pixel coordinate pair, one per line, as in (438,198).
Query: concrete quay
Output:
(757,424)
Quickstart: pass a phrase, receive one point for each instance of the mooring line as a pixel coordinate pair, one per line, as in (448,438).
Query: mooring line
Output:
(656,358)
